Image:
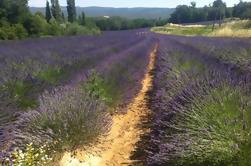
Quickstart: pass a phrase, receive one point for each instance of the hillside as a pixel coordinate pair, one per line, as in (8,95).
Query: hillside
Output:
(130,13)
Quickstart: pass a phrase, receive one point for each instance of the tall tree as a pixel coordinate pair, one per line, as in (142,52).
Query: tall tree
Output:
(82,20)
(220,8)
(56,10)
(48,11)
(71,9)
(193,4)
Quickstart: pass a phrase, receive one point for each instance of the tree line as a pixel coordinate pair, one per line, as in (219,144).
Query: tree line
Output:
(119,23)
(217,11)
(17,22)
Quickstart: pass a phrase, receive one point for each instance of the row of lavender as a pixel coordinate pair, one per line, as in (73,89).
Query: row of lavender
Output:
(200,103)
(74,110)
(41,63)
(29,67)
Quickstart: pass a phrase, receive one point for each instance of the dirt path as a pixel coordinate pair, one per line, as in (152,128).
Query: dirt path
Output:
(115,148)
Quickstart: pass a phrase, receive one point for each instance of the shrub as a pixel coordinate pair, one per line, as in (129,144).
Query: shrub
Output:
(54,28)
(20,94)
(52,74)
(35,25)
(67,118)
(76,29)
(21,32)
(97,87)
(3,34)
(7,32)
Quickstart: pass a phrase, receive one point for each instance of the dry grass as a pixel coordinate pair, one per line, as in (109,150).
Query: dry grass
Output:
(234,29)
(227,31)
(186,26)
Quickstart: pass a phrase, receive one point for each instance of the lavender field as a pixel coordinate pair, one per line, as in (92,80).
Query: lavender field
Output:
(200,103)
(43,79)
(60,94)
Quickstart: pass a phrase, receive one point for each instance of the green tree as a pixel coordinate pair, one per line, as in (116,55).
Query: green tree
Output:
(242,10)
(71,9)
(220,7)
(21,32)
(193,4)
(4,8)
(56,10)
(17,10)
(35,25)
(182,14)
(48,11)
(82,19)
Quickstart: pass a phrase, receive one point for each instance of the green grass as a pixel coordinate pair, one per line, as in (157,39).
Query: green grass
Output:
(186,64)
(52,74)
(187,31)
(20,93)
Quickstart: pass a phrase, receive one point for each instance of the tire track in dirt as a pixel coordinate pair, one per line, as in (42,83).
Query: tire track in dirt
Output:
(116,147)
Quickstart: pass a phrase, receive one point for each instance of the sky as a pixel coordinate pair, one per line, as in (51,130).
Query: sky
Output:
(132,3)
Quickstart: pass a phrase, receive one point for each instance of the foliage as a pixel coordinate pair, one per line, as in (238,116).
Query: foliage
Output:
(217,12)
(10,32)
(48,15)
(19,94)
(190,14)
(56,10)
(14,11)
(35,25)
(18,23)
(242,10)
(71,9)
(118,23)
(76,29)
(54,29)
(82,19)
(21,32)
(52,75)
(97,87)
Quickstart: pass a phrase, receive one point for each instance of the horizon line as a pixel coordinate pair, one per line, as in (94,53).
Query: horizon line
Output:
(110,7)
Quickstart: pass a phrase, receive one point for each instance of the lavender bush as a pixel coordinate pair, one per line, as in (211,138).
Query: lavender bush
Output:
(66,118)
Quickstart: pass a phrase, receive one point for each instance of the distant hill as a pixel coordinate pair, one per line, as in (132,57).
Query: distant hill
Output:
(130,13)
